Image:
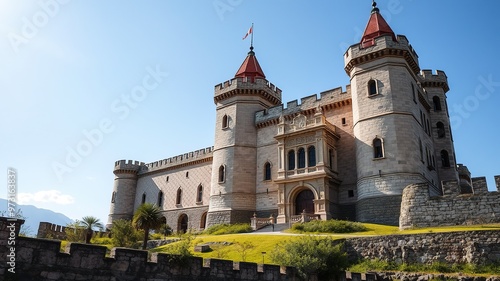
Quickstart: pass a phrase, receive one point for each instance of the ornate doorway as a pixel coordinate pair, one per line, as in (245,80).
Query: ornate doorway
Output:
(304,201)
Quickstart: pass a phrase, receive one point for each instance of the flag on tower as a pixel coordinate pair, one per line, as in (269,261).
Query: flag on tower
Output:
(248,32)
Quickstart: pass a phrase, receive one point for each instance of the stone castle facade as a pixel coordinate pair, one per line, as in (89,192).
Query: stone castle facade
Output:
(347,154)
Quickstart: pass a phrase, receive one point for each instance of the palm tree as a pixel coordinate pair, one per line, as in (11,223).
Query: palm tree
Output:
(90,223)
(147,217)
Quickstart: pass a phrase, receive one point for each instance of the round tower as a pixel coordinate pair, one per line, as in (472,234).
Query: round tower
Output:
(233,185)
(124,191)
(391,138)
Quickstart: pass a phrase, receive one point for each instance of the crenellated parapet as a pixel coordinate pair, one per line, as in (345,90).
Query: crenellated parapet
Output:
(308,105)
(437,79)
(383,46)
(419,209)
(247,86)
(127,167)
(38,258)
(193,157)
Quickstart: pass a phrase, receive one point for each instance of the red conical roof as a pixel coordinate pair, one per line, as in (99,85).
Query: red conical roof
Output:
(377,26)
(250,67)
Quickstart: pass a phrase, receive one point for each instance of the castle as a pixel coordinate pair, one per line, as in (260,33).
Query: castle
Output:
(346,155)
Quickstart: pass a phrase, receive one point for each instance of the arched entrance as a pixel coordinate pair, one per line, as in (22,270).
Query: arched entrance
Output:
(182,224)
(203,220)
(304,201)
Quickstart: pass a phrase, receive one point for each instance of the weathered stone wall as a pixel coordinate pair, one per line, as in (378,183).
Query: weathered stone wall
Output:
(419,209)
(40,259)
(478,247)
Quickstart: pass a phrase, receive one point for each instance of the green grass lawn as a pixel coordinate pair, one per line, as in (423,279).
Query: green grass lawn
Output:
(266,243)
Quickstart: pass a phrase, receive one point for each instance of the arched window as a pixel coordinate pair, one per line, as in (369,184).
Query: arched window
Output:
(143,200)
(222,173)
(178,198)
(441,131)
(291,160)
(225,121)
(113,197)
(378,150)
(187,175)
(372,87)
(437,103)
(311,156)
(445,158)
(159,200)
(199,194)
(301,155)
(267,171)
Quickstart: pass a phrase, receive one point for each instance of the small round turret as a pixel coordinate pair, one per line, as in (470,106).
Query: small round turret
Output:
(124,189)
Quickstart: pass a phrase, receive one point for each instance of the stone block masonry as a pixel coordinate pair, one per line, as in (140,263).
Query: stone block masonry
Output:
(40,259)
(476,247)
(419,209)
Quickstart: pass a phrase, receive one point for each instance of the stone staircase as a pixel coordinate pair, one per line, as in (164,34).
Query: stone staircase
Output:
(277,228)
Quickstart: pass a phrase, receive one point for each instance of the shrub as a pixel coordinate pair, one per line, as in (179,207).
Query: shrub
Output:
(75,232)
(228,229)
(124,234)
(309,255)
(329,226)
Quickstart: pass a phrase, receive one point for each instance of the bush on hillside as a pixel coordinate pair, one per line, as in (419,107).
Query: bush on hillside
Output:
(220,229)
(329,226)
(308,254)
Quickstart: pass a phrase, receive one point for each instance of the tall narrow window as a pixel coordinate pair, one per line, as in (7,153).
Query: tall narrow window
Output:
(437,103)
(445,158)
(311,156)
(421,150)
(113,197)
(301,157)
(413,93)
(178,198)
(331,156)
(372,87)
(440,129)
(199,196)
(225,121)
(187,175)
(378,150)
(291,160)
(267,171)
(222,173)
(159,200)
(143,200)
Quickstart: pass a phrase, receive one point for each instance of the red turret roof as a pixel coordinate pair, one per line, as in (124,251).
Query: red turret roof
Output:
(250,67)
(377,26)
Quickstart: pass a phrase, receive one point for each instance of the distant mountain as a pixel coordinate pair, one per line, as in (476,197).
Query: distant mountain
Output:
(35,215)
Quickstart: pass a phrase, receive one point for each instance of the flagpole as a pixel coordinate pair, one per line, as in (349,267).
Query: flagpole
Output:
(251,39)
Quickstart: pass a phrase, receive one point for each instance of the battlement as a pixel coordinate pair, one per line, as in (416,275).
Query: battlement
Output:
(255,86)
(420,209)
(381,46)
(437,79)
(55,231)
(331,98)
(35,258)
(199,155)
(127,166)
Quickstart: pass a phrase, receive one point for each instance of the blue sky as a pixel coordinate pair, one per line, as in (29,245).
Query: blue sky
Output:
(86,83)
